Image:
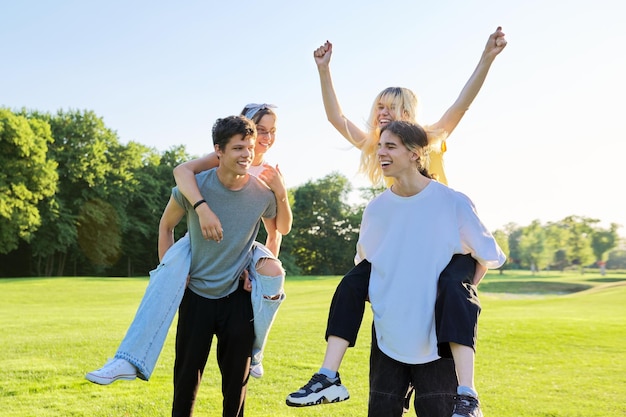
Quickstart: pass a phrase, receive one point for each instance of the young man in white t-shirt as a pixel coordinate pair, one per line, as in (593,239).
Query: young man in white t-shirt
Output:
(408,234)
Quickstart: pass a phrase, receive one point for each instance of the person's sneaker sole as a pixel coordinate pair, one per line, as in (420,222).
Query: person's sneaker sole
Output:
(106,381)
(332,394)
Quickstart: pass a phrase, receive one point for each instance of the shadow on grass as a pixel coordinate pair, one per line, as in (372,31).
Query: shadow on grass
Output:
(606,279)
(532,287)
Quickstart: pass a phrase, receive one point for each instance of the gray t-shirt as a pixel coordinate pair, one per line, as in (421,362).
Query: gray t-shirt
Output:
(216,267)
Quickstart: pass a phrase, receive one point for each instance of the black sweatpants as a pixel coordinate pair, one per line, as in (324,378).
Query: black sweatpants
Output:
(199,319)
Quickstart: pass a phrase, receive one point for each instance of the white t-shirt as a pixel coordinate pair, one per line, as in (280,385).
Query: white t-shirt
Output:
(257,169)
(409,241)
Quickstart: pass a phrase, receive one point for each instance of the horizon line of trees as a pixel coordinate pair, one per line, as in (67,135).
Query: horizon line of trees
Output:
(75,201)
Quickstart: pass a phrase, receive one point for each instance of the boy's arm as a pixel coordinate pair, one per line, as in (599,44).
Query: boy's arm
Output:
(185,176)
(171,216)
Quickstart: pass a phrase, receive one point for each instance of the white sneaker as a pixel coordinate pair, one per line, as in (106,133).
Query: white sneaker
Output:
(112,371)
(257,370)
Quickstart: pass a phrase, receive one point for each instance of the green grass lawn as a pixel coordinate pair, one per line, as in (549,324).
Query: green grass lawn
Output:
(549,345)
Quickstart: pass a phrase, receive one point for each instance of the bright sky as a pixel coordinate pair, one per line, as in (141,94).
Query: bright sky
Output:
(544,139)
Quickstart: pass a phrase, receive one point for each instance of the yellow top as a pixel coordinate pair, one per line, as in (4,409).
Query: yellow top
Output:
(436,167)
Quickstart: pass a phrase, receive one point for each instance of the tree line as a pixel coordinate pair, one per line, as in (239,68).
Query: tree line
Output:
(75,201)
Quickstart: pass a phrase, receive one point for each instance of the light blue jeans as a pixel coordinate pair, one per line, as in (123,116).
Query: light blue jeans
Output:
(146,335)
(267,295)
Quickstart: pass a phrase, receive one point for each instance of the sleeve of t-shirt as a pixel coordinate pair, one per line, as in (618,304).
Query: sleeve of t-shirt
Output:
(180,198)
(475,237)
(270,210)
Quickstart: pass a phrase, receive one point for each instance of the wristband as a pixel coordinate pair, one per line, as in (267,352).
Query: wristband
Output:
(195,206)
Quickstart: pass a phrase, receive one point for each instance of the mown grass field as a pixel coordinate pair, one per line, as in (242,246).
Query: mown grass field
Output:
(549,345)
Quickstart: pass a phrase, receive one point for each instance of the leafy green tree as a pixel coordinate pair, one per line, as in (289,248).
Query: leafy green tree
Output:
(532,247)
(154,182)
(368,193)
(28,176)
(325,229)
(579,249)
(556,245)
(616,259)
(97,223)
(85,151)
(603,240)
(503,241)
(514,233)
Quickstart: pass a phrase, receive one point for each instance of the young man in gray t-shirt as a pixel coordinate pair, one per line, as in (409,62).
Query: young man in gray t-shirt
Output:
(216,301)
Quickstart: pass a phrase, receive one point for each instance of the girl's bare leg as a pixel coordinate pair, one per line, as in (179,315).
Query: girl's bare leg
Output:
(336,348)
(464,362)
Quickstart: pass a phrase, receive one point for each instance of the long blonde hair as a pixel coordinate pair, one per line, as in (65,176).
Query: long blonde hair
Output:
(402,103)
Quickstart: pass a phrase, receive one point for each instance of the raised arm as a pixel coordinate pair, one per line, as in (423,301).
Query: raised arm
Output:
(451,118)
(333,110)
(185,176)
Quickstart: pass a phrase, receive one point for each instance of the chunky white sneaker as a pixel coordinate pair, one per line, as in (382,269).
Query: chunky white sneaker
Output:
(257,370)
(112,371)
(319,390)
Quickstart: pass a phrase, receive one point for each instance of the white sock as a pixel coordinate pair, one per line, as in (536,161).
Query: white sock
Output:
(465,390)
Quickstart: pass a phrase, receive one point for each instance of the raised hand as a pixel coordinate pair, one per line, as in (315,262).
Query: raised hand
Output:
(323,53)
(496,43)
(273,178)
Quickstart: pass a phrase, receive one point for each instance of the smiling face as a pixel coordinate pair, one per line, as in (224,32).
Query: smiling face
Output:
(394,157)
(403,149)
(393,103)
(237,155)
(266,134)
(385,114)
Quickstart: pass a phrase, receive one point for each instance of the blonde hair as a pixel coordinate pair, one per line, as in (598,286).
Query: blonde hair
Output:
(402,103)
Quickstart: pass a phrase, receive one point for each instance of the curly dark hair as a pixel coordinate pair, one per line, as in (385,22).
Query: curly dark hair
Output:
(225,128)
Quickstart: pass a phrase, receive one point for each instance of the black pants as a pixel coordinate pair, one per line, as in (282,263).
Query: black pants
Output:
(456,310)
(434,384)
(199,319)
